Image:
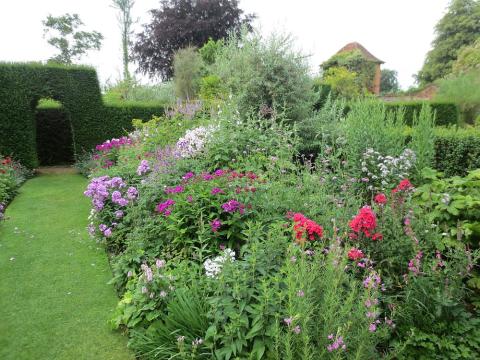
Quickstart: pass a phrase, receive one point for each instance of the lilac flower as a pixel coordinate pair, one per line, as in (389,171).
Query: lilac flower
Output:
(102,227)
(116,195)
(189,198)
(194,141)
(122,202)
(119,214)
(143,168)
(337,344)
(159,263)
(215,225)
(288,321)
(372,327)
(147,272)
(132,193)
(91,229)
(297,329)
(107,232)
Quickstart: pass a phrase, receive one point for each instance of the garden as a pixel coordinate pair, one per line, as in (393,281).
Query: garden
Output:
(258,214)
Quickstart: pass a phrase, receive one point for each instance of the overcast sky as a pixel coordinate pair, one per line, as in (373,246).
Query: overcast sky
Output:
(399,32)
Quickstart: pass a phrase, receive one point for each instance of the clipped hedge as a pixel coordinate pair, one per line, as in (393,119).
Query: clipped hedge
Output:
(77,89)
(446,113)
(457,151)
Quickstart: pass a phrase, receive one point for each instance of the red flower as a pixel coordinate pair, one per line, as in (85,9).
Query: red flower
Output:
(377,236)
(404,185)
(355,254)
(305,227)
(380,199)
(365,222)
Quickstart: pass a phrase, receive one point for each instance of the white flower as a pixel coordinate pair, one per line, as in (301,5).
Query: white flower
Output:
(214,267)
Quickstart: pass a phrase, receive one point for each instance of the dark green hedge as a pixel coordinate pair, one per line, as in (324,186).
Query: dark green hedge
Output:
(446,113)
(77,88)
(457,151)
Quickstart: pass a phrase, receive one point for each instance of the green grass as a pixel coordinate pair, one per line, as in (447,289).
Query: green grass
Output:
(54,296)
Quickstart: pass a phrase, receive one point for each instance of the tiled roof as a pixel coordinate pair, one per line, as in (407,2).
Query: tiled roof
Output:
(356,46)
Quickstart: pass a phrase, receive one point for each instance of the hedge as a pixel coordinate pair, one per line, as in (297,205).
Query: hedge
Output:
(446,113)
(77,89)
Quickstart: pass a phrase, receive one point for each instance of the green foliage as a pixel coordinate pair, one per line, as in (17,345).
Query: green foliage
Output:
(468,59)
(458,28)
(212,90)
(354,63)
(210,50)
(463,90)
(133,91)
(187,67)
(125,21)
(77,89)
(457,151)
(389,82)
(71,43)
(273,75)
(423,138)
(343,82)
(446,112)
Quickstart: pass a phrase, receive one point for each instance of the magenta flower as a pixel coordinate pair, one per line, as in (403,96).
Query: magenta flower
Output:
(216,191)
(164,208)
(219,173)
(107,232)
(174,190)
(188,175)
(215,225)
(207,176)
(132,193)
(233,205)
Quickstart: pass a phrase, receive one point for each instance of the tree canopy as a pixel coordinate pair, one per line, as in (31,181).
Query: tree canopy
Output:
(182,23)
(389,81)
(71,43)
(459,27)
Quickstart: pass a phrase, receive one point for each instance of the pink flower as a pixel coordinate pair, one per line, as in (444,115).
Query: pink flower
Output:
(355,254)
(380,199)
(216,190)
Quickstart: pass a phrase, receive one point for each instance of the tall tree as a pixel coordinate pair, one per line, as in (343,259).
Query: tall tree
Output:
(458,28)
(389,81)
(125,21)
(181,23)
(63,34)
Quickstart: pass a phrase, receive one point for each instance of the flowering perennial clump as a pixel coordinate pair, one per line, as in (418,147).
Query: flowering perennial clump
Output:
(380,172)
(99,191)
(165,207)
(113,144)
(143,168)
(355,254)
(304,227)
(337,343)
(213,267)
(194,141)
(365,222)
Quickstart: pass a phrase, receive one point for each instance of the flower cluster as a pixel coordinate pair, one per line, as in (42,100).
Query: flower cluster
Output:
(337,343)
(304,227)
(99,191)
(194,141)
(355,254)
(365,222)
(404,186)
(113,144)
(143,168)
(186,109)
(214,267)
(165,207)
(232,206)
(380,172)
(415,263)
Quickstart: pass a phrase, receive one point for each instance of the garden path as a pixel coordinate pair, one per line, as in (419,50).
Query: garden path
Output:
(54,296)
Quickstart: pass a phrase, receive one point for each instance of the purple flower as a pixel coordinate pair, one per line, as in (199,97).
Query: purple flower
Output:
(189,198)
(297,329)
(132,193)
(207,176)
(372,327)
(288,321)
(143,168)
(215,225)
(107,232)
(219,172)
(231,206)
(216,190)
(159,263)
(147,272)
(91,229)
(188,175)
(174,190)
(116,196)
(102,227)
(119,214)
(164,208)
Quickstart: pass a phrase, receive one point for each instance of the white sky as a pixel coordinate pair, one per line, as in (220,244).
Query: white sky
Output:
(398,32)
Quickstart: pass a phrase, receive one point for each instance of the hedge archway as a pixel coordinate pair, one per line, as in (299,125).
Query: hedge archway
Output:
(22,85)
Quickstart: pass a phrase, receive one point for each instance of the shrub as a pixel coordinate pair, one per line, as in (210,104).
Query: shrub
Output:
(272,75)
(187,66)
(446,113)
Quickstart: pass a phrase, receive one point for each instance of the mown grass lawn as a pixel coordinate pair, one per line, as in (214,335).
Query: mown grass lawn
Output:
(54,296)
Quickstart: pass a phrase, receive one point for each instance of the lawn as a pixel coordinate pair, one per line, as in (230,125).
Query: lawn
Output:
(54,293)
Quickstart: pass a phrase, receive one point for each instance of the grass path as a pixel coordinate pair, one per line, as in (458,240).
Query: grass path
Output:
(54,297)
